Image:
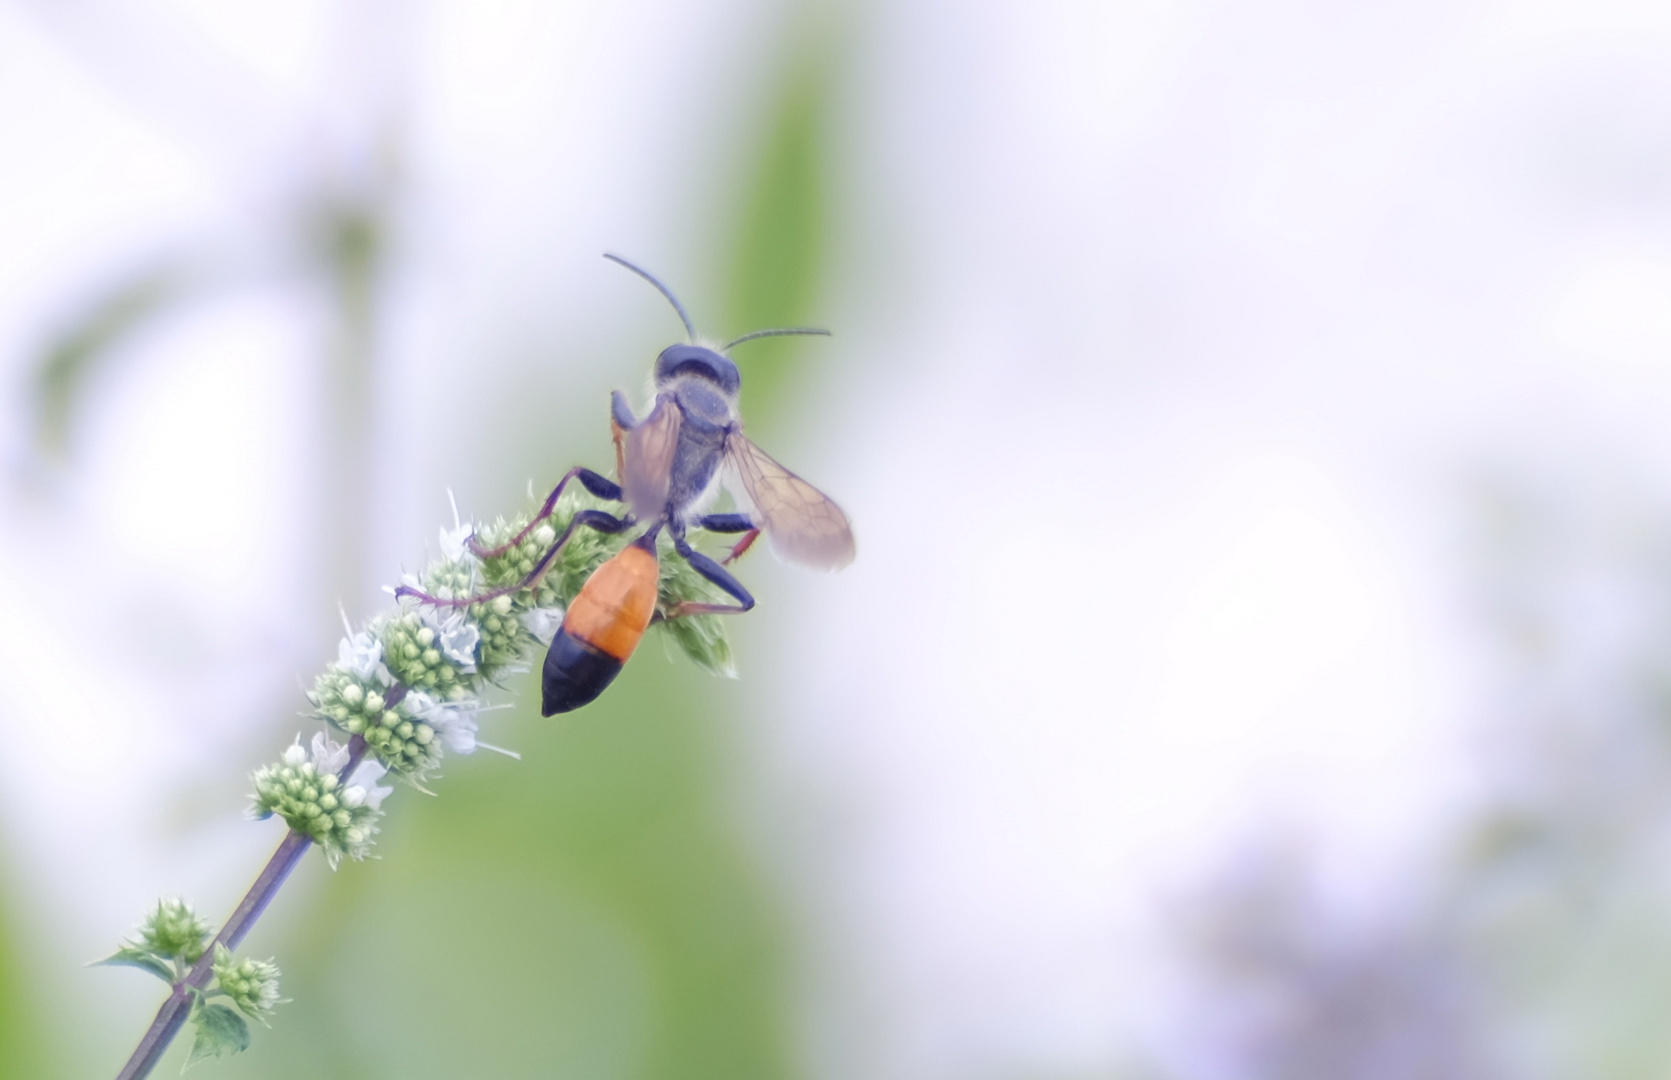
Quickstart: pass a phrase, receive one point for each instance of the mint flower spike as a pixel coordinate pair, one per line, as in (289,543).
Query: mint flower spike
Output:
(361,655)
(429,652)
(173,929)
(358,695)
(455,635)
(303,789)
(170,939)
(453,721)
(253,985)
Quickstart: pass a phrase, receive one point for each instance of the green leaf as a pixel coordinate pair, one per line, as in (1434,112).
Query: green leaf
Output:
(127,956)
(220,1033)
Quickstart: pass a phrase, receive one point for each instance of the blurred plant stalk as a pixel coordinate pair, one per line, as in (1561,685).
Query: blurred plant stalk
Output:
(353,239)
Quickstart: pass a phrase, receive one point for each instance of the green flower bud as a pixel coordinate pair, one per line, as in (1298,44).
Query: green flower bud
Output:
(253,985)
(430,657)
(305,799)
(173,931)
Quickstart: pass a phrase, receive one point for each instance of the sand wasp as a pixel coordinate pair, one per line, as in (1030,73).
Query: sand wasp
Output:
(670,465)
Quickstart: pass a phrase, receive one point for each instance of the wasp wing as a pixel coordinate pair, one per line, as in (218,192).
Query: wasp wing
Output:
(647,460)
(802,523)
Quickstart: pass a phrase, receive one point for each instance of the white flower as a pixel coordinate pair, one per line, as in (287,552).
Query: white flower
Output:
(543,623)
(454,720)
(364,781)
(329,756)
(361,655)
(294,754)
(456,635)
(453,541)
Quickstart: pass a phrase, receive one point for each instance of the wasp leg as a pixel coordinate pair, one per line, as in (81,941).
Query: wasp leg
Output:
(725,523)
(741,547)
(732,523)
(621,412)
(596,483)
(594,519)
(621,421)
(715,573)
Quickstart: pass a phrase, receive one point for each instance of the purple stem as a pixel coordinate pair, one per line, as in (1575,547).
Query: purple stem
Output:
(178,1005)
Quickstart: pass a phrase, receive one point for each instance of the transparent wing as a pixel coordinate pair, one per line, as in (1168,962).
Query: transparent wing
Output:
(647,460)
(803,525)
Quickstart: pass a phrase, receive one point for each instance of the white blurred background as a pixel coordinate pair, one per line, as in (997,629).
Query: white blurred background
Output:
(1253,417)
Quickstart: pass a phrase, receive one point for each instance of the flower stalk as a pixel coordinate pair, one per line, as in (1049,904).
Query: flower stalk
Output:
(178,1006)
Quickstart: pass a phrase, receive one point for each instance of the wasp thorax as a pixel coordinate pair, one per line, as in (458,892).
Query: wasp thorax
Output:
(700,362)
(703,405)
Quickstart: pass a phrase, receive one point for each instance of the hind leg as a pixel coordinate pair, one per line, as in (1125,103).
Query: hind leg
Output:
(715,573)
(732,523)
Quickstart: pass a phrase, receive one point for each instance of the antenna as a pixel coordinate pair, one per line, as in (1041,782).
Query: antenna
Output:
(690,331)
(785,332)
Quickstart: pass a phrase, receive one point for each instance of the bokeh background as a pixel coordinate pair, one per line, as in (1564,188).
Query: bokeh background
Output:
(1256,419)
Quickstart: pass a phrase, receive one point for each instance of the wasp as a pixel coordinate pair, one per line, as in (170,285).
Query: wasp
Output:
(670,465)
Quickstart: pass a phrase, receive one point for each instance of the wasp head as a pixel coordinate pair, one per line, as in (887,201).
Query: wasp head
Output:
(699,362)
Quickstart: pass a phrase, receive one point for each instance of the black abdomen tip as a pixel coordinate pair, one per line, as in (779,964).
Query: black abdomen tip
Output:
(574,674)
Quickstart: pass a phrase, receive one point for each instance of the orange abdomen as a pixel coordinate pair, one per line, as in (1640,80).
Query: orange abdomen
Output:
(615,604)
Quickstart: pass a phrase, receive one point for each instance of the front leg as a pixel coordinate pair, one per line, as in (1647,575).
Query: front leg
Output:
(621,421)
(620,413)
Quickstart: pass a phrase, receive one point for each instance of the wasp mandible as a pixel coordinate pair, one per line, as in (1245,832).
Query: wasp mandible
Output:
(670,465)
